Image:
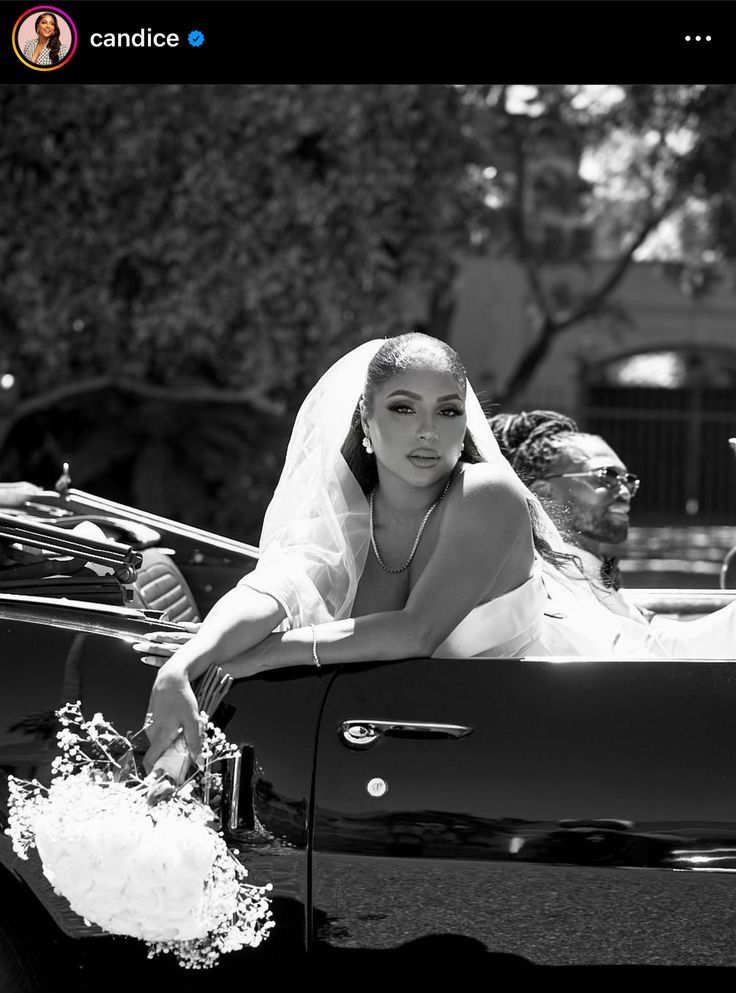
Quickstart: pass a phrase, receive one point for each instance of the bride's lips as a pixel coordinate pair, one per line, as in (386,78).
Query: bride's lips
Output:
(424,457)
(623,509)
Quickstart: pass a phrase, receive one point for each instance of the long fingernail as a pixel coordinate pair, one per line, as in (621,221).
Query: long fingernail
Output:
(155,660)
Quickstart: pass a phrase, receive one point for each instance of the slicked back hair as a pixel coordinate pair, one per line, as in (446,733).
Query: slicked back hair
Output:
(403,353)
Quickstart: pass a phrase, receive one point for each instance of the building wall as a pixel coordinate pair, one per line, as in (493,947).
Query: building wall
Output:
(492,326)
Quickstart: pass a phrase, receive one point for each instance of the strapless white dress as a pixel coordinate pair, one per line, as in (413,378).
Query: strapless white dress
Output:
(509,626)
(552,616)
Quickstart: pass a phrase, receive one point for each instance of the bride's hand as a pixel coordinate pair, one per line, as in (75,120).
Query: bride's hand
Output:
(175,711)
(161,645)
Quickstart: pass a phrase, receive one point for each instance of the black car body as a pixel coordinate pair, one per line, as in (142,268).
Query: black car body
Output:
(561,812)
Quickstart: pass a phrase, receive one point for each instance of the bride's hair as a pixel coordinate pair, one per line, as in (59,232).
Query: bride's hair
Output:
(400,354)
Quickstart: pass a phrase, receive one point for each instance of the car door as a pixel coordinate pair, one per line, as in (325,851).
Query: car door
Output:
(576,812)
(52,652)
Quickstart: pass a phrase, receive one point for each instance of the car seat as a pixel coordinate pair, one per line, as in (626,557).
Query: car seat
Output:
(160,585)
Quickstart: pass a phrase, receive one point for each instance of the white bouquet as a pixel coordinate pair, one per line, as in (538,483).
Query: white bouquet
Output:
(134,856)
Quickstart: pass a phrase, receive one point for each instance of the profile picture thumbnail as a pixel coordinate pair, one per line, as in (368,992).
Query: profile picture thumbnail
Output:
(44,38)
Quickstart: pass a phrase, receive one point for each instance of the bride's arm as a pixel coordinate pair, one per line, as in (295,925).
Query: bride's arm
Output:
(484,520)
(240,619)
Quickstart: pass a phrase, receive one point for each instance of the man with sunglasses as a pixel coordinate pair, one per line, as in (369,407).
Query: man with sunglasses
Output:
(587,491)
(583,483)
(594,499)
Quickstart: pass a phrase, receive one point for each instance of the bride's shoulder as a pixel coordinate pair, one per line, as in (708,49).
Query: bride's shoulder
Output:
(475,476)
(481,486)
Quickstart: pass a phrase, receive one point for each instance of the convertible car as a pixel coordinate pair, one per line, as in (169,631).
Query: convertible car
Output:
(564,812)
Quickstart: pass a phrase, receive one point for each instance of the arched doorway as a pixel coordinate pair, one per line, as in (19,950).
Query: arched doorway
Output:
(669,413)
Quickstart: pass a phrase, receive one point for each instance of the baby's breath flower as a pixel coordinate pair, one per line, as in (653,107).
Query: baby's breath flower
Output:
(161,873)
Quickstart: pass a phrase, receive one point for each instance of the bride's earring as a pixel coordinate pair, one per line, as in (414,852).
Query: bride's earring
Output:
(367,445)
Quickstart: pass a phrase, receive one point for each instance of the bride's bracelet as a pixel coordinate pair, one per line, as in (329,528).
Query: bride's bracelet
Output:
(315,656)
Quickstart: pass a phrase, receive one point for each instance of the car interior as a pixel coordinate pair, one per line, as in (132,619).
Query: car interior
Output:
(75,545)
(120,565)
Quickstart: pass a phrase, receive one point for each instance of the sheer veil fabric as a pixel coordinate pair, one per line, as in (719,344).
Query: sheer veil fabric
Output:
(315,535)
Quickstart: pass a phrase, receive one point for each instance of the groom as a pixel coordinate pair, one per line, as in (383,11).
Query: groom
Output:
(587,490)
(591,491)
(583,483)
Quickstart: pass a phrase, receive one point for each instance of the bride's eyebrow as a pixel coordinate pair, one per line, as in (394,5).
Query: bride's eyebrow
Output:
(418,396)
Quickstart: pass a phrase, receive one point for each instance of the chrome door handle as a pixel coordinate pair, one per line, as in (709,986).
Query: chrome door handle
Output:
(238,813)
(231,792)
(233,800)
(358,733)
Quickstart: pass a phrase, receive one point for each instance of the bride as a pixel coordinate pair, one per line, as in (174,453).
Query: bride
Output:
(397,530)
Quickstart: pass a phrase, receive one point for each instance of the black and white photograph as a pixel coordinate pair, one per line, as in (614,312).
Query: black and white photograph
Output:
(367,530)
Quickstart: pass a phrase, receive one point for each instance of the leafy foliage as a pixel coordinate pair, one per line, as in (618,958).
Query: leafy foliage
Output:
(221,243)
(180,262)
(577,173)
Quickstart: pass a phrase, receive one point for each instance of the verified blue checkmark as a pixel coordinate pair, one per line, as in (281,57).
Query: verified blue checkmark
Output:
(195,39)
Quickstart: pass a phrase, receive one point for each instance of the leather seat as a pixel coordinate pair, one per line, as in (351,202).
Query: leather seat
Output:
(161,586)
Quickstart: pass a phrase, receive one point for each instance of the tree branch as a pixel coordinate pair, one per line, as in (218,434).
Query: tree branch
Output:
(97,384)
(518,218)
(551,328)
(593,302)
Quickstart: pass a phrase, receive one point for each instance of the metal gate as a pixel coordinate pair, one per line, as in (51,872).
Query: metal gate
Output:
(676,439)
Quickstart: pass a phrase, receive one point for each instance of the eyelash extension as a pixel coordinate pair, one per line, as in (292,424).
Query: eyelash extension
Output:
(443,410)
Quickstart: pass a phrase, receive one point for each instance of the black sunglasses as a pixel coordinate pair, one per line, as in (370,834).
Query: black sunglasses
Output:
(607,475)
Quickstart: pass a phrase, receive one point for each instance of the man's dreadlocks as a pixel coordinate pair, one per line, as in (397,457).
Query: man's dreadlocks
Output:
(531,440)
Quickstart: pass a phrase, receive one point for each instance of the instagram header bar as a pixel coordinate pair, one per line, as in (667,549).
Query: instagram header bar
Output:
(354,41)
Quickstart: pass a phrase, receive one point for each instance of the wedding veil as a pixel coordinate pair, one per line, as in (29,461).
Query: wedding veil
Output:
(315,535)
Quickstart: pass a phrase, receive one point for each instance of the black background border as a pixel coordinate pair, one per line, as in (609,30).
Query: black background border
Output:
(353,41)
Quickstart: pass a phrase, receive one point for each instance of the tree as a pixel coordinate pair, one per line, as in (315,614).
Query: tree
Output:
(659,152)
(179,262)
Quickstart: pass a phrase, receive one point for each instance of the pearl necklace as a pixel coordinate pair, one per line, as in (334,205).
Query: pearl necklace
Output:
(422,525)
